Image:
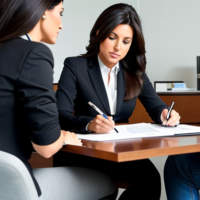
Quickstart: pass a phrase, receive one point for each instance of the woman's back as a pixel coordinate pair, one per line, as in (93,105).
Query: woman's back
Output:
(26,96)
(18,74)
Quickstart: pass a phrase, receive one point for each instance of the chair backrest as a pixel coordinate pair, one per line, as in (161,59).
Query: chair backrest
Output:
(15,180)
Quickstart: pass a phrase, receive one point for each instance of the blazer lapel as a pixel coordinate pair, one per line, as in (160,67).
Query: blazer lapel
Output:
(98,84)
(121,85)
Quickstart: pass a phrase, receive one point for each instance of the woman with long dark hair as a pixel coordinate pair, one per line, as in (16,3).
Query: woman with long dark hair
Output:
(28,112)
(111,74)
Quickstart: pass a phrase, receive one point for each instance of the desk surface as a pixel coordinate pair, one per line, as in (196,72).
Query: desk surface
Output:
(136,149)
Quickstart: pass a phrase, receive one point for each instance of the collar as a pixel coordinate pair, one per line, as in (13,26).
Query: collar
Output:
(104,68)
(26,37)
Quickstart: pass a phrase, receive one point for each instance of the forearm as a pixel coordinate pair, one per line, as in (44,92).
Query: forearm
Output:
(151,101)
(156,113)
(49,150)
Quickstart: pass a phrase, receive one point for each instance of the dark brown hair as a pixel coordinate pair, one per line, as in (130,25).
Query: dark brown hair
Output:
(134,63)
(18,17)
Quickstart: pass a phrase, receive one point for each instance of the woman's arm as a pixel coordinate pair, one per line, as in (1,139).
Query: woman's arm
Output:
(151,101)
(67,93)
(66,98)
(37,101)
(156,108)
(49,150)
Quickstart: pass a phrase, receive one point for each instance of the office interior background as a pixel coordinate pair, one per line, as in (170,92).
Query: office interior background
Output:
(172,33)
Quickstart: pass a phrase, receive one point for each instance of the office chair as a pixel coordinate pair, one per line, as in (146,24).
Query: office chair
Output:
(15,180)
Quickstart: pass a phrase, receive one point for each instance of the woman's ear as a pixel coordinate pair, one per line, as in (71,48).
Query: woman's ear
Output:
(97,32)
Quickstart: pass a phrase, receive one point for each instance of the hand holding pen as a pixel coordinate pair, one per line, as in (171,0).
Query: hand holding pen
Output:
(101,123)
(170,117)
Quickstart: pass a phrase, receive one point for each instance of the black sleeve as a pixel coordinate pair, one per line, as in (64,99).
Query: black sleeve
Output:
(151,101)
(66,97)
(36,96)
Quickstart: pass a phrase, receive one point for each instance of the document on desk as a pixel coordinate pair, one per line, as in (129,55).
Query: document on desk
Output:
(128,132)
(141,130)
(181,129)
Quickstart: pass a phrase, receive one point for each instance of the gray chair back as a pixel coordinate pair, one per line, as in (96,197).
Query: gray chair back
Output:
(15,180)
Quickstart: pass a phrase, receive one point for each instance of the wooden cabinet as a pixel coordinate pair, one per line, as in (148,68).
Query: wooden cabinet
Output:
(187,104)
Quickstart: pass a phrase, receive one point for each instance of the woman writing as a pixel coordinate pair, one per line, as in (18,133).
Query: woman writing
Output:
(112,76)
(28,112)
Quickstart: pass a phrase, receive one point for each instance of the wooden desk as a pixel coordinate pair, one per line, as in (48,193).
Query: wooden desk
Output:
(188,106)
(186,103)
(136,149)
(126,150)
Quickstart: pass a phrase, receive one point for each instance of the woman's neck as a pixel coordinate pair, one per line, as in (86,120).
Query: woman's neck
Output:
(35,34)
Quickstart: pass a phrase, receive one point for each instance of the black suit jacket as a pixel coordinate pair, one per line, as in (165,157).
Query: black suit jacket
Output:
(81,81)
(28,109)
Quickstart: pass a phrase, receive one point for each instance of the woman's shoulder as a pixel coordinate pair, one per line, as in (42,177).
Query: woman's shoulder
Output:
(19,49)
(25,47)
(76,63)
(25,43)
(76,60)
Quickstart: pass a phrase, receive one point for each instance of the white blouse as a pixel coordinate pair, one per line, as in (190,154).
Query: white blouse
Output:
(111,88)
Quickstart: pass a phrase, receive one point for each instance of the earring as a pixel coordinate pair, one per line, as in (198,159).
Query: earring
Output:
(44,17)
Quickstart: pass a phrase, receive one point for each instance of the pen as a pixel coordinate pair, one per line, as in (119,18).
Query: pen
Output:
(100,112)
(169,112)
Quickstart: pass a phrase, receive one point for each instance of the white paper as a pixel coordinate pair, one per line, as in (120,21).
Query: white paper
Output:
(130,131)
(139,131)
(180,129)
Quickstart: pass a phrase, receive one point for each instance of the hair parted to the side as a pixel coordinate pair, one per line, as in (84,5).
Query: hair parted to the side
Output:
(134,63)
(18,17)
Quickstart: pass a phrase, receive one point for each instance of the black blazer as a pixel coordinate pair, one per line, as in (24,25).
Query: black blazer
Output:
(81,81)
(28,109)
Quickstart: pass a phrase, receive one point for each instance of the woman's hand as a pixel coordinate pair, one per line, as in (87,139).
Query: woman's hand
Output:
(101,125)
(71,138)
(173,120)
